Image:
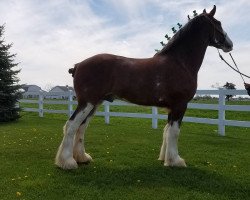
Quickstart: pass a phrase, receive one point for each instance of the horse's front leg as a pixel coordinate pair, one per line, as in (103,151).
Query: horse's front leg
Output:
(169,150)
(172,157)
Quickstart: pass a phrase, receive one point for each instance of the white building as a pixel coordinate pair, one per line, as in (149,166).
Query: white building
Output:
(31,91)
(59,92)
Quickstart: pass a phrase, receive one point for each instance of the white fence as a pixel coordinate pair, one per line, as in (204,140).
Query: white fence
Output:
(221,107)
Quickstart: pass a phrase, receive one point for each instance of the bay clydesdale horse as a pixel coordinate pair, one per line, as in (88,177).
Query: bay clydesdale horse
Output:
(168,80)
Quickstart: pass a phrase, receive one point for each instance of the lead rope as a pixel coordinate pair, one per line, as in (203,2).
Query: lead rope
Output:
(236,67)
(247,86)
(237,70)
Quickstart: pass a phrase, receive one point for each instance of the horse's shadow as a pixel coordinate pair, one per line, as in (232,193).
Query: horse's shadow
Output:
(148,177)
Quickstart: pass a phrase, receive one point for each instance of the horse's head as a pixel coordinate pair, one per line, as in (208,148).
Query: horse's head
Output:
(219,37)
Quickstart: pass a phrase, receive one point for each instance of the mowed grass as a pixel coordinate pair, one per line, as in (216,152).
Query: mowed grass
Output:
(125,161)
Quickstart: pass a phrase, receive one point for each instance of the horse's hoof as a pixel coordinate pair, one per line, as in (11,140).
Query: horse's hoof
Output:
(85,158)
(178,162)
(161,159)
(67,164)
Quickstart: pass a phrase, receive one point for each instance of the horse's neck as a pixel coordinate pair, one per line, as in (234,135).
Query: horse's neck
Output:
(192,50)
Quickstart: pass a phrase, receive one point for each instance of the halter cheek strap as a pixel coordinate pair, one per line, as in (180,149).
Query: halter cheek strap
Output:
(224,38)
(222,43)
(222,33)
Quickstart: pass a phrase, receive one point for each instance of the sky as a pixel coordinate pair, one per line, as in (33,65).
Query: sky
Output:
(50,36)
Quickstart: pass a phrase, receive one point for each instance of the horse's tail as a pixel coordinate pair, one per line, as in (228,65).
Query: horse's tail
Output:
(73,70)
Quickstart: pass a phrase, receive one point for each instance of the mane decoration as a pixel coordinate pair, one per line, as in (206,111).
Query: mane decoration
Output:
(174,30)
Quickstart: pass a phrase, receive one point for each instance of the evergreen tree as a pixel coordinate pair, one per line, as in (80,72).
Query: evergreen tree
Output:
(9,88)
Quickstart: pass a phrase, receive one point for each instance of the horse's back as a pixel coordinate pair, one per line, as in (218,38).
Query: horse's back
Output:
(105,66)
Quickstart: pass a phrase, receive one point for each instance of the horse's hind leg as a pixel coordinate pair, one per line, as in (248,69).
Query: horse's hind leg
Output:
(79,153)
(64,157)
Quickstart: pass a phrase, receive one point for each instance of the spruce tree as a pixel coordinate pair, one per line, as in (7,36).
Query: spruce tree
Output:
(9,88)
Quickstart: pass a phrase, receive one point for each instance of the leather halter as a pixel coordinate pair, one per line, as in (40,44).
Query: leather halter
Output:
(217,43)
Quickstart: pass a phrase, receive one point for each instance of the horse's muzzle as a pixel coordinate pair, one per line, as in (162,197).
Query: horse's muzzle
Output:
(228,45)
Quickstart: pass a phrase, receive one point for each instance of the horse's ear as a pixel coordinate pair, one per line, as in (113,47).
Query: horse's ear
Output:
(212,12)
(204,11)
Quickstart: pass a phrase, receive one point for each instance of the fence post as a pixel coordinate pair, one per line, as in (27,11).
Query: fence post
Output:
(40,102)
(221,125)
(154,118)
(70,103)
(106,112)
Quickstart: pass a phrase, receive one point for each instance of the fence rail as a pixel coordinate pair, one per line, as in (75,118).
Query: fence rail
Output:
(221,107)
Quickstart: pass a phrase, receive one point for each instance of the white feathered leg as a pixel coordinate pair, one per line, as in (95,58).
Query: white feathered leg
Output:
(172,157)
(164,144)
(64,157)
(79,153)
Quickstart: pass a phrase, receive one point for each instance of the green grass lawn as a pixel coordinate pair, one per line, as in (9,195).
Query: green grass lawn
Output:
(125,162)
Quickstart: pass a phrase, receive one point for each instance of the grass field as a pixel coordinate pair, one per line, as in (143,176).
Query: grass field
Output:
(125,161)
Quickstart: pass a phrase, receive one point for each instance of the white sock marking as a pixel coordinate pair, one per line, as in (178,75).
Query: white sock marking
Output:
(164,144)
(65,151)
(171,155)
(79,149)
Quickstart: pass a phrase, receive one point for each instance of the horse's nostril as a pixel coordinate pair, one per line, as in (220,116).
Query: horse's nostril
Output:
(230,47)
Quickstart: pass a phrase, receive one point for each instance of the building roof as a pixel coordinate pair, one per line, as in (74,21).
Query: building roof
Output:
(64,88)
(25,87)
